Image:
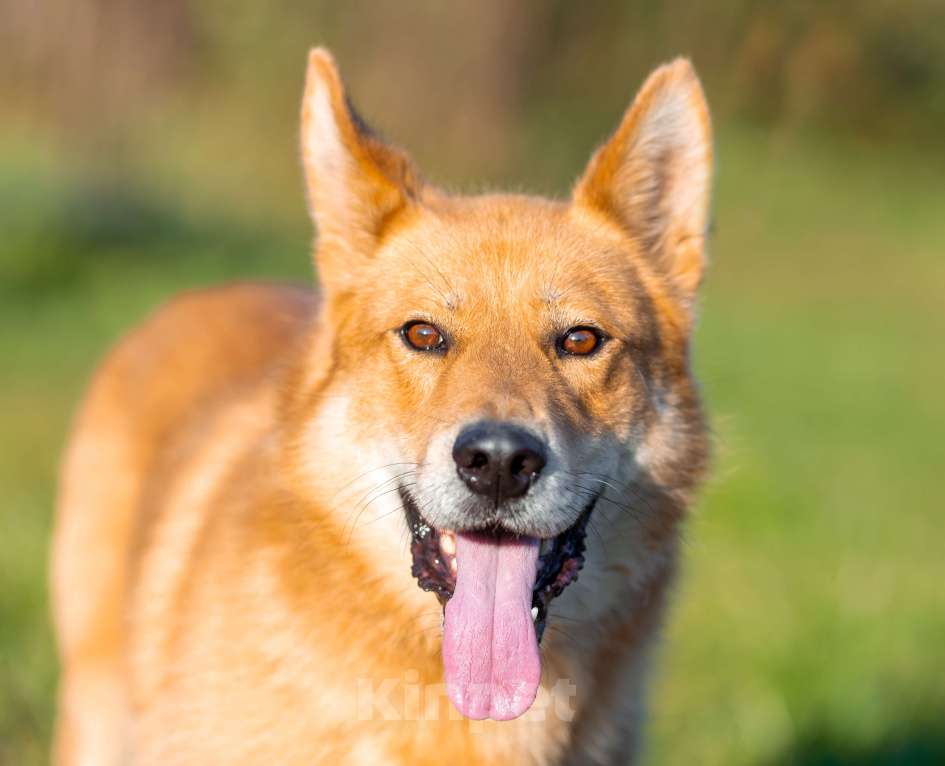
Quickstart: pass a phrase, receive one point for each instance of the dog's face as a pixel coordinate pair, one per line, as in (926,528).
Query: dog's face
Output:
(518,337)
(509,363)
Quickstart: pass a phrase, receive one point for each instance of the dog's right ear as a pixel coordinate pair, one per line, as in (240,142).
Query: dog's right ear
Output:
(356,184)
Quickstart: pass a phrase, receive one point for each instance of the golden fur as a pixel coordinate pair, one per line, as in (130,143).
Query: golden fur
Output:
(230,580)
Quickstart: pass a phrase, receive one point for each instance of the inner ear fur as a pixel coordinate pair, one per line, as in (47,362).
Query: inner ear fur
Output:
(355,182)
(652,177)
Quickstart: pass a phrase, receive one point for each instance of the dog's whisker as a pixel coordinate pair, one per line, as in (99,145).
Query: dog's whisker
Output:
(373,495)
(349,484)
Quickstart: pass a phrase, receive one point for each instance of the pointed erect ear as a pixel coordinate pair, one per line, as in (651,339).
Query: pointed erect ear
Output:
(356,184)
(652,177)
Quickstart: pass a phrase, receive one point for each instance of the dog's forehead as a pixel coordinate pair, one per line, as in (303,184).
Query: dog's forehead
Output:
(483,253)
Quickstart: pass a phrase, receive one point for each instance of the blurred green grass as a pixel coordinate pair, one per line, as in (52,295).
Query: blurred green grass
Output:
(810,621)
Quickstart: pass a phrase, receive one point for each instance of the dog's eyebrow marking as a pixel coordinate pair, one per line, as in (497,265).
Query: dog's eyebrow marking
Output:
(447,293)
(551,294)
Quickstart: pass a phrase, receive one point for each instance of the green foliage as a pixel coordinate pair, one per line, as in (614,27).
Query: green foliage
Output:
(59,231)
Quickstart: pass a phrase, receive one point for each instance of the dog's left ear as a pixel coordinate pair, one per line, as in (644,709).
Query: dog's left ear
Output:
(356,183)
(652,177)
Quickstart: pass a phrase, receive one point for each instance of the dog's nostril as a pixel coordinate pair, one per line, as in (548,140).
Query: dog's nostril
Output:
(526,464)
(498,460)
(517,465)
(479,460)
(470,459)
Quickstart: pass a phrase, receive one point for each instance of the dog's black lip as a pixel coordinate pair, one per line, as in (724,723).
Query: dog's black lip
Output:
(570,546)
(568,550)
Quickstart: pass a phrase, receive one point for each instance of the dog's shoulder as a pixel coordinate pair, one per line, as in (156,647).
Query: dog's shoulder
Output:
(199,343)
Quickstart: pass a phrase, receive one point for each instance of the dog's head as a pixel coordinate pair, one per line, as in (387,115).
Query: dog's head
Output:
(505,368)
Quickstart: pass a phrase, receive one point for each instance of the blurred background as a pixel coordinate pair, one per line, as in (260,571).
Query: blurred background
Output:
(148,147)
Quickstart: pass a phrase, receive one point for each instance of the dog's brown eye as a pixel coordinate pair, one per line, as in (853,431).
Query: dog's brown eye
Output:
(423,336)
(580,341)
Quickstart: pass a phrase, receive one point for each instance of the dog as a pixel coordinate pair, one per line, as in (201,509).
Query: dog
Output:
(428,513)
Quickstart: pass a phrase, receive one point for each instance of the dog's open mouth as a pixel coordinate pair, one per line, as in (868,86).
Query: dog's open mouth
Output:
(434,559)
(495,589)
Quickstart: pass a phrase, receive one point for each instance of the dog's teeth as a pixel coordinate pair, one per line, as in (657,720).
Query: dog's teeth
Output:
(448,544)
(534,612)
(453,565)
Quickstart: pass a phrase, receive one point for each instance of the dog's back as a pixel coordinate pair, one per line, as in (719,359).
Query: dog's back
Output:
(145,420)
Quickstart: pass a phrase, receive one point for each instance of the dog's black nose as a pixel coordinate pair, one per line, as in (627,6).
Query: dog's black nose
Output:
(498,460)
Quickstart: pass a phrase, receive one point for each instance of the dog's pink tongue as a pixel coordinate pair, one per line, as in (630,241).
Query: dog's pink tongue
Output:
(490,653)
